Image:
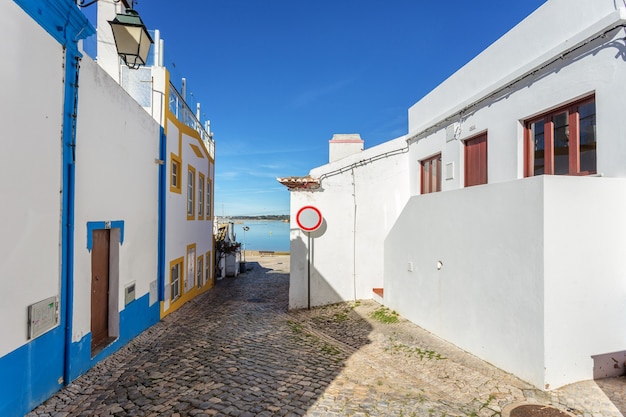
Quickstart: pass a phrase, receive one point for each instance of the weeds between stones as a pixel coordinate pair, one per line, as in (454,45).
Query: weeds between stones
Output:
(384,315)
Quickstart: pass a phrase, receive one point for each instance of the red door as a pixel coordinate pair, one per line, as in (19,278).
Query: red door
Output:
(476,161)
(99,289)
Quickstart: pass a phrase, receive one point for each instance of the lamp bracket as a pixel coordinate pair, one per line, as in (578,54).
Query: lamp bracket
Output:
(85,3)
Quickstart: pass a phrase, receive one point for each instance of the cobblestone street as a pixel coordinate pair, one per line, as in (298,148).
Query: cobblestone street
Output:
(237,351)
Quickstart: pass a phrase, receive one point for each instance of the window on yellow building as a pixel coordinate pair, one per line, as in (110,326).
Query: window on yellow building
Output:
(208,200)
(191,267)
(207,265)
(191,192)
(200,197)
(175,174)
(175,279)
(200,271)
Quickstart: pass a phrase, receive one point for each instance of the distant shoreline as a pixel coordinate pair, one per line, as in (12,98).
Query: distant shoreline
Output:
(253,252)
(226,219)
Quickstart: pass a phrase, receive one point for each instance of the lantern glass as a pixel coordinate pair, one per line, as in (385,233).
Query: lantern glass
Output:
(132,39)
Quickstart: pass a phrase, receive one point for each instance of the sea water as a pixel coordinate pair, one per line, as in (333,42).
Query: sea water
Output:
(263,235)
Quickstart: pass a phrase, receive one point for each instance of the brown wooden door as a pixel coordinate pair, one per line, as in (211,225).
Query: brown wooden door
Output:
(100,288)
(476,161)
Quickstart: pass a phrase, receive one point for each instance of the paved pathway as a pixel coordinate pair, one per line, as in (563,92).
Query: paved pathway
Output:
(237,351)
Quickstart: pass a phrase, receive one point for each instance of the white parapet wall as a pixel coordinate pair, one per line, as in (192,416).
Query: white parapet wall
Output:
(524,274)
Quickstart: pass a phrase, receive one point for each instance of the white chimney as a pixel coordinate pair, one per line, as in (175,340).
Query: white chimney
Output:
(342,145)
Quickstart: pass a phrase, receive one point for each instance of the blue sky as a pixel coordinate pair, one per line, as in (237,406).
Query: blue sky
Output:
(277,78)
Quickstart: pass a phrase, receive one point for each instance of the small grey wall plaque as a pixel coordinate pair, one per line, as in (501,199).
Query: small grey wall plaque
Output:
(42,316)
(129,293)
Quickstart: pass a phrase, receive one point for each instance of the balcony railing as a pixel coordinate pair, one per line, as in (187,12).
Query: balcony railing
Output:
(179,107)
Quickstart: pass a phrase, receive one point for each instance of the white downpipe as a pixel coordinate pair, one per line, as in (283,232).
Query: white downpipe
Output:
(354,222)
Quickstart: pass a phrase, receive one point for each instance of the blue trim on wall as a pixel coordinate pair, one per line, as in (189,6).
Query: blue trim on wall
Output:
(62,19)
(115,224)
(134,319)
(36,356)
(162,213)
(31,373)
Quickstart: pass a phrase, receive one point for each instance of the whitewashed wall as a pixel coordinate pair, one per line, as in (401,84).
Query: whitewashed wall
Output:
(596,67)
(487,296)
(116,179)
(585,274)
(359,206)
(31,119)
(107,57)
(527,264)
(532,275)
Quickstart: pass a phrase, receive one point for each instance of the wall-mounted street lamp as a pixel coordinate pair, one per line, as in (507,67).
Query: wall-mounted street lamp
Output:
(132,39)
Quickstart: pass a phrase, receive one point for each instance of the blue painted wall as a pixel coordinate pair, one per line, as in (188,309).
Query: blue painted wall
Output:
(31,374)
(38,364)
(134,319)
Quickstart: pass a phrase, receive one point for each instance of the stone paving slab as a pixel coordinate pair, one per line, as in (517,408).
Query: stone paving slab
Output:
(237,351)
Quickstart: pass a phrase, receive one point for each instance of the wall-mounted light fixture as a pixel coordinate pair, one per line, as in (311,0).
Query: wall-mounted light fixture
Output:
(132,39)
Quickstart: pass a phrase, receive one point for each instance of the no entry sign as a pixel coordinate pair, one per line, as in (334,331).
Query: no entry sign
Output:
(309,218)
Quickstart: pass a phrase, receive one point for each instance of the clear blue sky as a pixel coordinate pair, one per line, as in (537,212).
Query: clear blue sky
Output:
(277,78)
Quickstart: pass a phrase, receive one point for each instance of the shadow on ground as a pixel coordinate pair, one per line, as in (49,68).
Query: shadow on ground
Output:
(235,350)
(615,390)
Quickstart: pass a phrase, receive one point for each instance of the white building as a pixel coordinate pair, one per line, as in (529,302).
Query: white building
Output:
(519,259)
(187,160)
(95,220)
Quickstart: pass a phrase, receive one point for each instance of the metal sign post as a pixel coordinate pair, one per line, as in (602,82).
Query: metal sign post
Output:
(309,219)
(308,273)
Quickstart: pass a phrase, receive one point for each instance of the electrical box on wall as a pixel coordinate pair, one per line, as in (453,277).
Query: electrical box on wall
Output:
(451,131)
(129,293)
(42,316)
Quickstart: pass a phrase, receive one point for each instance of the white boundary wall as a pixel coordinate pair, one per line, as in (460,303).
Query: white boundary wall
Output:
(532,275)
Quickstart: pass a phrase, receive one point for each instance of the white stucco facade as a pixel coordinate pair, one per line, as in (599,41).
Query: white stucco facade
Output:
(362,196)
(116,181)
(525,272)
(30,252)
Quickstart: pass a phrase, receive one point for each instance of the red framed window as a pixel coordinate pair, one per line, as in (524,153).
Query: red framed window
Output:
(563,141)
(431,174)
(476,161)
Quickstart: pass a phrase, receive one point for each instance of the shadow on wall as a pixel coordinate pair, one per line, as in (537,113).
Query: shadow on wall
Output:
(233,350)
(308,286)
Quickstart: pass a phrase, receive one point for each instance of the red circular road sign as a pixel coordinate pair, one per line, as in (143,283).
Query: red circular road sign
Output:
(309,218)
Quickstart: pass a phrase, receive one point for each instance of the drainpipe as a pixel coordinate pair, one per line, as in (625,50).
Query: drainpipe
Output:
(161,218)
(72,66)
(354,234)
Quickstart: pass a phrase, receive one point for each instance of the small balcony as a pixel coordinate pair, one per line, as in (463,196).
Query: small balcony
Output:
(179,107)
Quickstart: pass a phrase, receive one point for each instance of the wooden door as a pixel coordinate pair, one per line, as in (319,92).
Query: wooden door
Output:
(100,288)
(476,161)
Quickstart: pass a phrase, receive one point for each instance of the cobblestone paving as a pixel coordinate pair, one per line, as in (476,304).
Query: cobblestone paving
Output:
(237,351)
